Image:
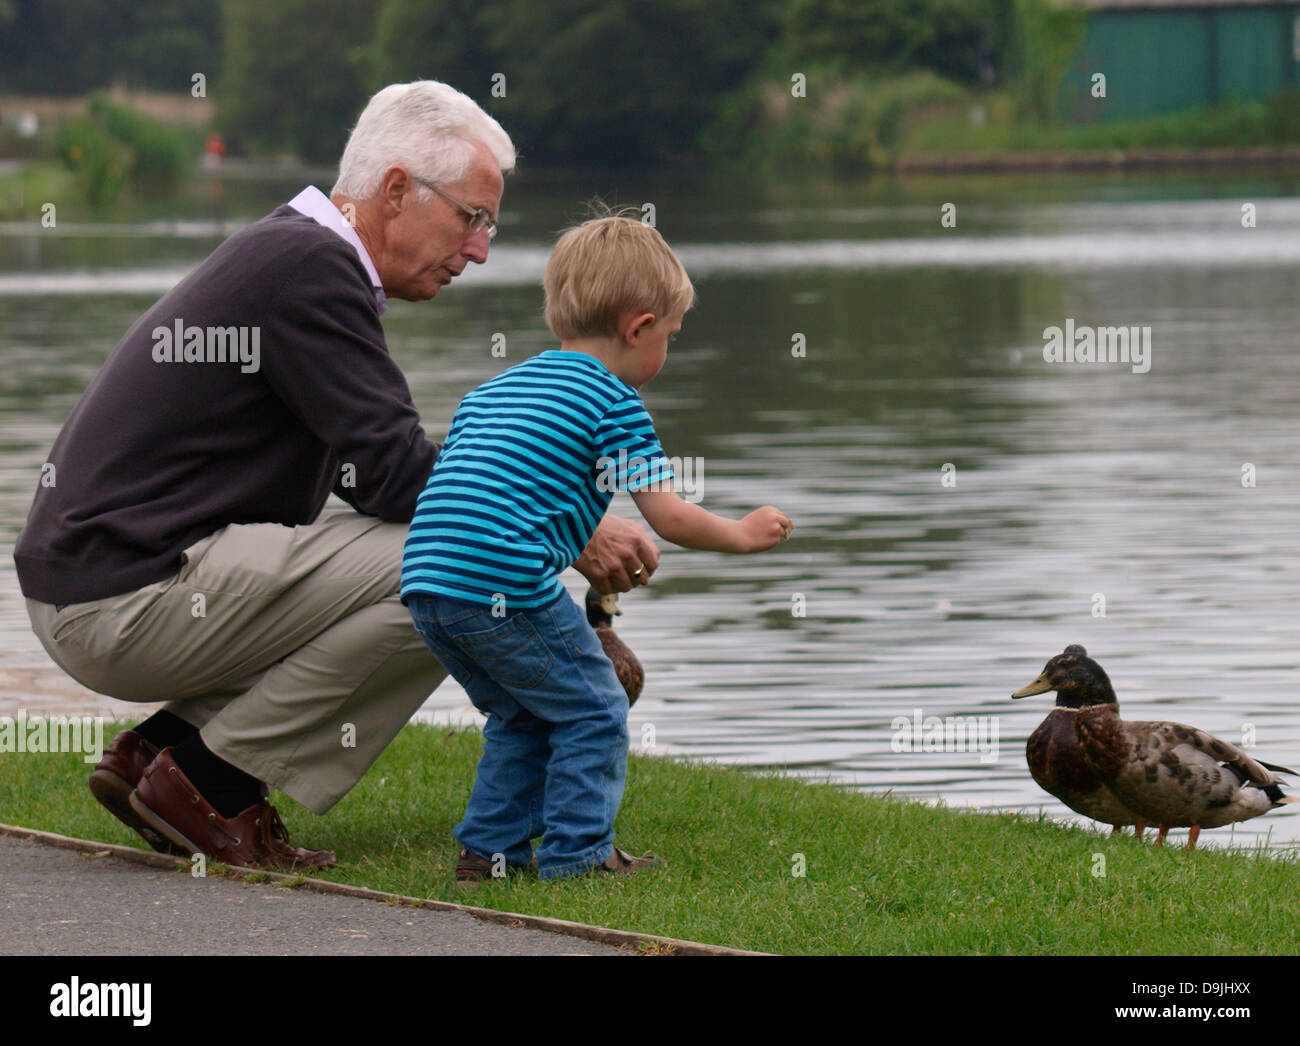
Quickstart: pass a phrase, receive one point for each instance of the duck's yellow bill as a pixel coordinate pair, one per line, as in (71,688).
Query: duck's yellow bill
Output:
(1038,686)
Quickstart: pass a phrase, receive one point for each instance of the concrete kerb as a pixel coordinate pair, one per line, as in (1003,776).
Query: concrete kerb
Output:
(640,942)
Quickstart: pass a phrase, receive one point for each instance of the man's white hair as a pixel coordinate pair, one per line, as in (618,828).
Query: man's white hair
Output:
(430,128)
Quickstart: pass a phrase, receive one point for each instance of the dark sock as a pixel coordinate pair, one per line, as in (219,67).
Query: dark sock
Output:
(226,787)
(164,730)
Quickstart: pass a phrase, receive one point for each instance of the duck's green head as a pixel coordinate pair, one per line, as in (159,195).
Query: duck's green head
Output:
(1077,679)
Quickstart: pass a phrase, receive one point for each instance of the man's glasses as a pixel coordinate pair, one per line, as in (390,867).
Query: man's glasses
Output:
(478,219)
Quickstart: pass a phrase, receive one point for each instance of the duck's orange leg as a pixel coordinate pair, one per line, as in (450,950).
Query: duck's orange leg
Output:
(1139,828)
(1164,830)
(1191,838)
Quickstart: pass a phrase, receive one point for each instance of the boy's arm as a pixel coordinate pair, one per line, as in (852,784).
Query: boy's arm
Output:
(690,526)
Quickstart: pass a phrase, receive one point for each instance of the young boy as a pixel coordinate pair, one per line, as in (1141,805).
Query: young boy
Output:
(528,469)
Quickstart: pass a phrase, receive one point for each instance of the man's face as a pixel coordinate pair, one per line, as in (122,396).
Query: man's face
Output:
(428,244)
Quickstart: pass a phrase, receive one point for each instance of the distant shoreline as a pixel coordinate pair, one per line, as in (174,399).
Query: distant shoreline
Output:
(1098,159)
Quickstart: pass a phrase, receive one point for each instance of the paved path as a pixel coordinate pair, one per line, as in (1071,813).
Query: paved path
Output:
(61,902)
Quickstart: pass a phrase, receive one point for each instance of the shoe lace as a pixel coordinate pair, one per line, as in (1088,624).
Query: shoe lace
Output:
(273,827)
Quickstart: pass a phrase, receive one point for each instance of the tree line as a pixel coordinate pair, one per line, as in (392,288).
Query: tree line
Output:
(574,81)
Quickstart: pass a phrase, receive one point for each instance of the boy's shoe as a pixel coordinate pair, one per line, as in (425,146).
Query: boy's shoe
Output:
(621,863)
(114,779)
(473,870)
(170,804)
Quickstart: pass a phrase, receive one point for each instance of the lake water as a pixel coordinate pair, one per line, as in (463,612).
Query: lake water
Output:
(910,589)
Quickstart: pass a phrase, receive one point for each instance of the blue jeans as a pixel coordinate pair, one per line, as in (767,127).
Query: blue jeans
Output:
(555,742)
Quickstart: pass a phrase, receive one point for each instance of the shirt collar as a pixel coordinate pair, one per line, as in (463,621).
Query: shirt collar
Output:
(317,206)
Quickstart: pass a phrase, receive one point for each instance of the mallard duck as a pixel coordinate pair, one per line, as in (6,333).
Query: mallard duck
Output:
(1166,774)
(600,613)
(1057,765)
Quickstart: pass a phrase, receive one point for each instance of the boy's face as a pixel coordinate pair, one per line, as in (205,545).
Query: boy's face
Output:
(650,348)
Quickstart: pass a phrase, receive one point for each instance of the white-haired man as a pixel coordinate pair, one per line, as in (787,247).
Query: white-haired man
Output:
(181,555)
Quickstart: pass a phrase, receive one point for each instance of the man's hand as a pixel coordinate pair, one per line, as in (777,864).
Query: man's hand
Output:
(619,556)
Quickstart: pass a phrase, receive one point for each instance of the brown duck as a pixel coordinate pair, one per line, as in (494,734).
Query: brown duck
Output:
(600,613)
(1165,774)
(1057,765)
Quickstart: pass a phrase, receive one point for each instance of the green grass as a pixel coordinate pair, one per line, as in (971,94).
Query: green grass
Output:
(1274,120)
(22,192)
(883,876)
(859,121)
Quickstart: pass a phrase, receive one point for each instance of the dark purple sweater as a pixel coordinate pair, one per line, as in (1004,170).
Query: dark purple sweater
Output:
(157,455)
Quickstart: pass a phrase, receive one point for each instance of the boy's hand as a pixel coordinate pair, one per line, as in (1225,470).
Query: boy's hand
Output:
(685,523)
(766,527)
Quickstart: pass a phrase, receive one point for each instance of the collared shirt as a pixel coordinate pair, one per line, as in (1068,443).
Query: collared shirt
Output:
(317,206)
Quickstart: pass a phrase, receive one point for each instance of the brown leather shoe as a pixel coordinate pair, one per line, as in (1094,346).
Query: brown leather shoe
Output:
(114,779)
(473,870)
(257,838)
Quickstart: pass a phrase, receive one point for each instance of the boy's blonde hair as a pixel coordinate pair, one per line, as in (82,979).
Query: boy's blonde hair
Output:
(607,267)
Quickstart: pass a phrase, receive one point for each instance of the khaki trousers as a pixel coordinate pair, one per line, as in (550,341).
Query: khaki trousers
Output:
(287,646)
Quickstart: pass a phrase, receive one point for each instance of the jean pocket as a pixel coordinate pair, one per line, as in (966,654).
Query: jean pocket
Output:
(512,653)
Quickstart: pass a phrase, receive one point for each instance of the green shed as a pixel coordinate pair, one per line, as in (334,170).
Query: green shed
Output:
(1161,56)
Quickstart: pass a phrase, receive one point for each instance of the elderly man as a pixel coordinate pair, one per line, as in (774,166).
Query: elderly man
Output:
(178,553)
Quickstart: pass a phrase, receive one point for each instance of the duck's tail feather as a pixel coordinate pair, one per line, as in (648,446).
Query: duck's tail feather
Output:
(1277,769)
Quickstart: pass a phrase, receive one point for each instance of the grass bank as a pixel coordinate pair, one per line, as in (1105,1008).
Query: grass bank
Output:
(881,875)
(25,190)
(97,153)
(853,123)
(990,123)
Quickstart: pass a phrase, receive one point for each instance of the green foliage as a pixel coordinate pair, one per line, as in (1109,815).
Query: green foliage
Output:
(170,41)
(1282,116)
(113,146)
(68,47)
(99,162)
(963,40)
(1272,120)
(844,122)
(161,156)
(1049,36)
(293,76)
(591,82)
(430,40)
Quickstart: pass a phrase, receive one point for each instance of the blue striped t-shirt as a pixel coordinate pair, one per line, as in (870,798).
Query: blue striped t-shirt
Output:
(531,462)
